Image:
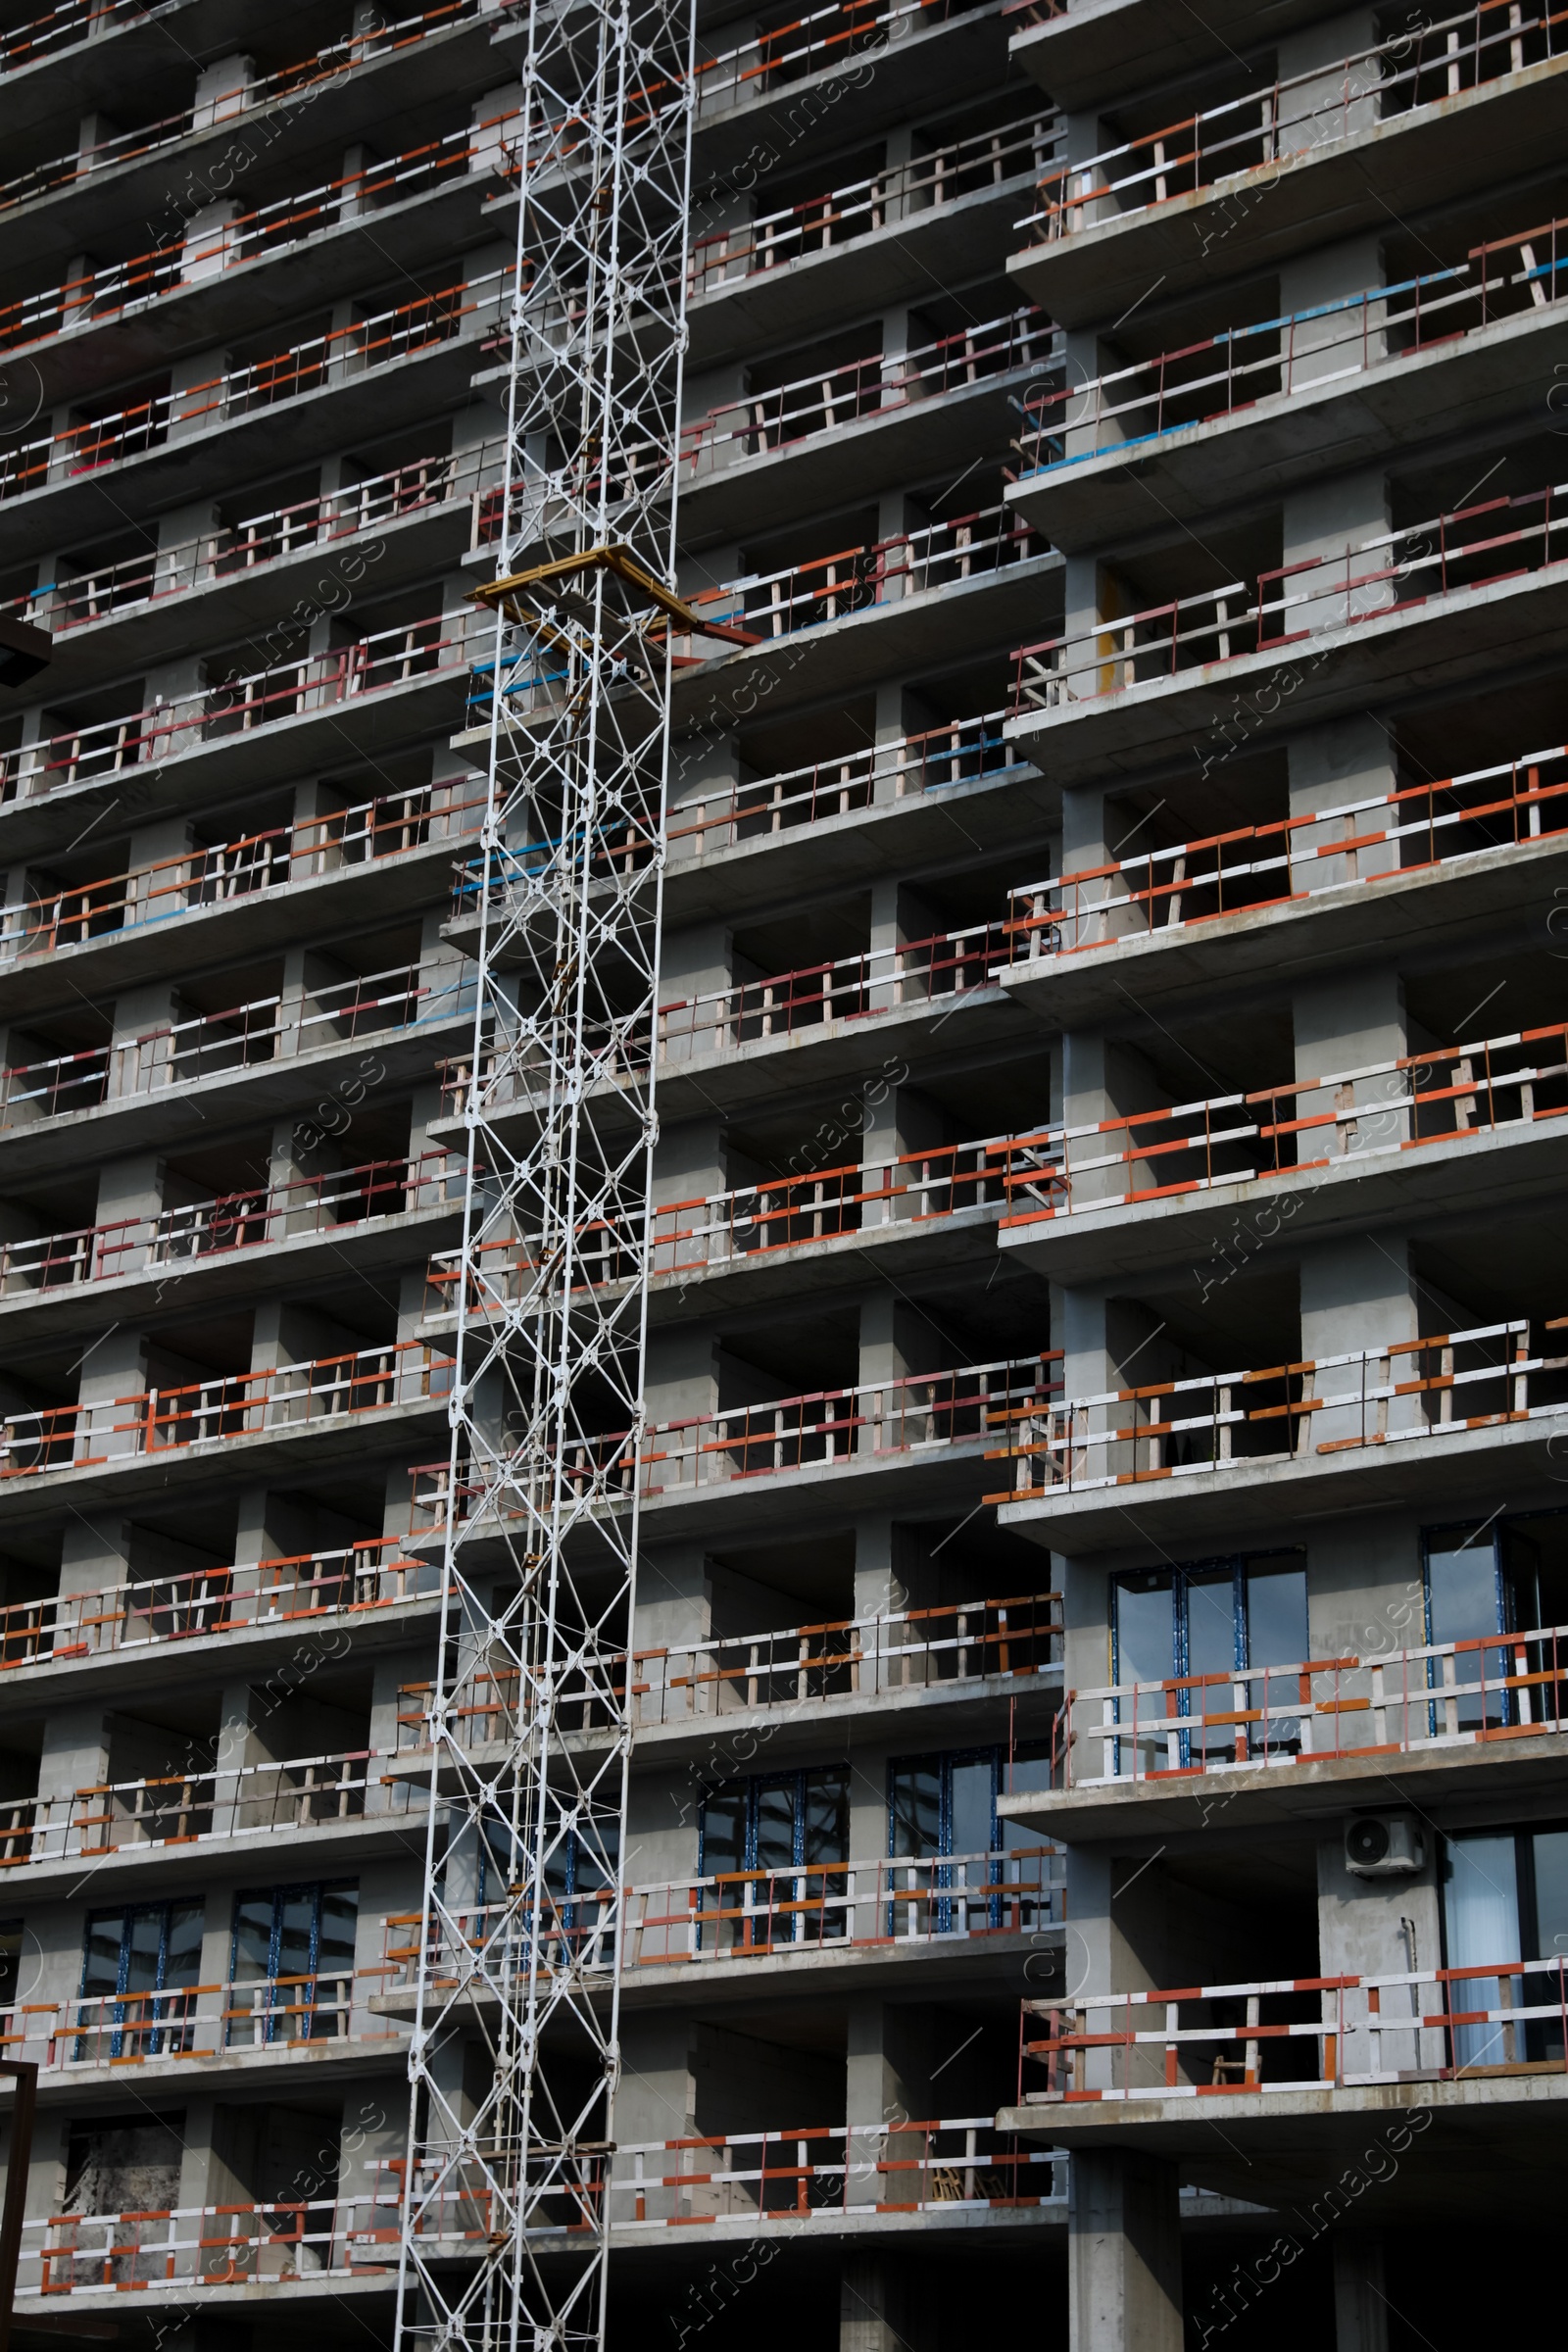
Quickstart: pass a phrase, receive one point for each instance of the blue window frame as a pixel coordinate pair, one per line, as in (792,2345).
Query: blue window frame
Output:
(140,1960)
(295,1946)
(1226,1618)
(777,1844)
(943,1808)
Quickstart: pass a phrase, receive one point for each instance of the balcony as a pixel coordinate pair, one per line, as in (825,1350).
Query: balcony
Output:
(788,1237)
(1303,642)
(830,2174)
(1260,408)
(417,518)
(751,466)
(172,1620)
(294,408)
(1416,122)
(365,1215)
(1298,1743)
(787,276)
(278,2018)
(335,2243)
(1218,1451)
(248,1060)
(1424,862)
(1089,58)
(834,1446)
(128,1445)
(317,1799)
(1472,1127)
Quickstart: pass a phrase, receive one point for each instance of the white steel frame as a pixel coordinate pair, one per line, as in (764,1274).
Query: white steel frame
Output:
(515,2055)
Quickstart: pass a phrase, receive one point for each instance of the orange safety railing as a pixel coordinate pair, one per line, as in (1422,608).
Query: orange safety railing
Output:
(826,2172)
(348,1582)
(195,2020)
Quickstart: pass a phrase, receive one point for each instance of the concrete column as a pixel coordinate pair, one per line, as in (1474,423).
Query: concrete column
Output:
(1379,1928)
(899,1122)
(887,2083)
(656,2100)
(689,1166)
(1348,1024)
(1340,765)
(141,1045)
(1124,2257)
(896,1341)
(873,2301)
(698,970)
(1361,2309)
(222,89)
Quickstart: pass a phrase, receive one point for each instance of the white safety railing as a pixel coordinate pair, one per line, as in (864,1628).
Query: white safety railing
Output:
(826,2171)
(195,2020)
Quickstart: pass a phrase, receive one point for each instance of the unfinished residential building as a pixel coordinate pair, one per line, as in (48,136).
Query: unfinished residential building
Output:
(1088,1693)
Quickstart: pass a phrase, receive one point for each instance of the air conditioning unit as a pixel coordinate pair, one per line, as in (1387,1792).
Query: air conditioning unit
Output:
(1384,1846)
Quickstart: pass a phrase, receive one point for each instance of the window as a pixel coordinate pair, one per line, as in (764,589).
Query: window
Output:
(943,1808)
(1505,1900)
(136,1961)
(776,1845)
(578,1868)
(295,1945)
(1214,1623)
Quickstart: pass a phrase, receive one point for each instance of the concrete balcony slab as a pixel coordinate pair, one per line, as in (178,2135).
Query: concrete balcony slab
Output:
(91,2088)
(249,1095)
(1446,1473)
(333,1846)
(942,245)
(935,629)
(1477,1175)
(1100,50)
(249,604)
(1487,2146)
(916,1483)
(299,1451)
(1510,628)
(1306,1793)
(1252,221)
(224,768)
(1422,915)
(938,435)
(134,47)
(1447,392)
(922,1250)
(208,460)
(351,900)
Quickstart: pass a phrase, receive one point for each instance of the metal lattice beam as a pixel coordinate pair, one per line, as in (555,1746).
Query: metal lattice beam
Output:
(515,2055)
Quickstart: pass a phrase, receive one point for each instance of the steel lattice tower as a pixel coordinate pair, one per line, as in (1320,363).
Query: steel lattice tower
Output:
(515,2057)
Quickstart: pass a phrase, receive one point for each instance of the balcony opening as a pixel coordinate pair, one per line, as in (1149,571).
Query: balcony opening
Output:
(179,1584)
(795,971)
(813,388)
(779,1615)
(123,2164)
(761,2073)
(278,2164)
(1248,1319)
(47,1230)
(815,573)
(118,425)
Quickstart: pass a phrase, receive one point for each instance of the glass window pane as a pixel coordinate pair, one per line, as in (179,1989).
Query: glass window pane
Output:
(252,1936)
(970,1807)
(145,1948)
(1030,1769)
(100,1965)
(182,1951)
(1551,1895)
(827,1816)
(916,1826)
(724,1833)
(296,1919)
(1463,1590)
(1276,1615)
(1211,1623)
(1146,1637)
(1480,1919)
(775,1825)
(340,1906)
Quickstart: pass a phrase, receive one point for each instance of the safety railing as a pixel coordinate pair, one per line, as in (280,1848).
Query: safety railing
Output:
(1285,2035)
(854,579)
(107,591)
(211,2246)
(76,20)
(960,753)
(1434,1695)
(1452,1383)
(233,1405)
(240,704)
(305,1588)
(195,2020)
(787,1212)
(211,1044)
(851,988)
(194,256)
(825,402)
(818,38)
(466,307)
(221,872)
(920,1413)
(1300,351)
(254,1219)
(1496,539)
(1014,152)
(205,1802)
(852,1658)
(726,1915)
(826,2171)
(1300,115)
(1291,860)
(1492,1086)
